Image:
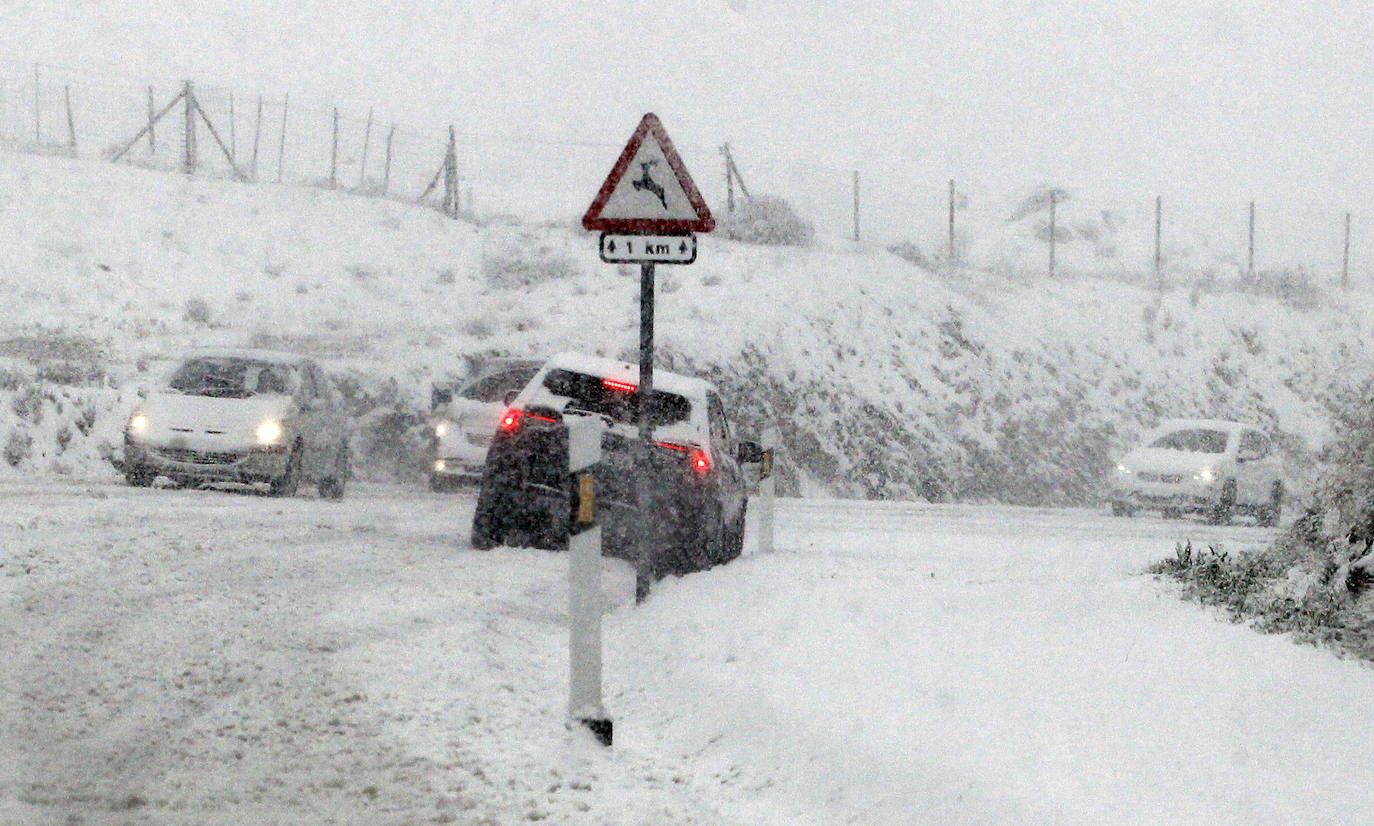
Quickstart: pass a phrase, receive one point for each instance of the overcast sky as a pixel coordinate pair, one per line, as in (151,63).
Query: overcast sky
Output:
(1226,100)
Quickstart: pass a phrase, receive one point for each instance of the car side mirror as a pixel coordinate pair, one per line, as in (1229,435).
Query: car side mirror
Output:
(143,391)
(509,397)
(439,396)
(749,453)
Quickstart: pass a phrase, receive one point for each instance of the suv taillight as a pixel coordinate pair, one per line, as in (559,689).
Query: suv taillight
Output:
(510,422)
(697,460)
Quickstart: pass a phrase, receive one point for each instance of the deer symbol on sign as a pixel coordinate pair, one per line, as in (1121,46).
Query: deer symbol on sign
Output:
(647,183)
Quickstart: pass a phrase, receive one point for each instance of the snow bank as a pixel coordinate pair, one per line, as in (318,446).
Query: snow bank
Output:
(884,380)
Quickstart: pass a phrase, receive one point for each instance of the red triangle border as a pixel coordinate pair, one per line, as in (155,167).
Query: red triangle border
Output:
(704,222)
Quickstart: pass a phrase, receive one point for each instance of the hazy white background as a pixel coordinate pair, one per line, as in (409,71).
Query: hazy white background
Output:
(1228,101)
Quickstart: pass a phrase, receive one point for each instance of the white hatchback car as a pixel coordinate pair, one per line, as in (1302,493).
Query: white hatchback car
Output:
(1207,466)
(465,418)
(244,416)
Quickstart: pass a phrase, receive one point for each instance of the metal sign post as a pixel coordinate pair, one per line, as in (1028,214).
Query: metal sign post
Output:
(647,210)
(644,550)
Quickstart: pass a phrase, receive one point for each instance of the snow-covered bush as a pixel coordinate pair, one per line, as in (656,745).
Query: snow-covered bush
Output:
(526,261)
(1317,579)
(769,220)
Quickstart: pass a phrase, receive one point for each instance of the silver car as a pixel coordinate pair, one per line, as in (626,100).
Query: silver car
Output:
(243,416)
(1211,467)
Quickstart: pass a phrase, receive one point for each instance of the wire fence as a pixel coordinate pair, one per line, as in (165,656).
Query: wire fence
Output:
(280,139)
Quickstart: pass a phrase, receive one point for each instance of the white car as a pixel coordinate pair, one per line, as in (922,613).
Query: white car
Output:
(1206,466)
(243,416)
(465,419)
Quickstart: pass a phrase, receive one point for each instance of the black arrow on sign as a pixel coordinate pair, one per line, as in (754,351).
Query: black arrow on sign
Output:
(610,246)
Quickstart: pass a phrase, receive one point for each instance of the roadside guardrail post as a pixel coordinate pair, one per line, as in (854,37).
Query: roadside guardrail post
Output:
(767,492)
(585,599)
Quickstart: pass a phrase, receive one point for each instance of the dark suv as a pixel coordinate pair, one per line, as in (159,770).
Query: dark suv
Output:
(696,489)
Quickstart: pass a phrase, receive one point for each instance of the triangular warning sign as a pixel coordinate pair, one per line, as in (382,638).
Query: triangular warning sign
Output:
(649,190)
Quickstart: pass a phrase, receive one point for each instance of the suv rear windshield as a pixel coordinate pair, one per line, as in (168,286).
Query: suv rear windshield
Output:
(1193,441)
(590,394)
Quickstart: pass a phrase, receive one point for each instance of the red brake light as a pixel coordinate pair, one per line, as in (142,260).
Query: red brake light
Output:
(510,421)
(697,459)
(613,384)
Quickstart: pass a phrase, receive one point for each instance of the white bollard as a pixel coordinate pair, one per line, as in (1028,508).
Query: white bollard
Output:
(585,599)
(768,487)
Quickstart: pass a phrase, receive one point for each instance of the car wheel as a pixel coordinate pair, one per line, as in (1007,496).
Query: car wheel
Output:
(1122,509)
(139,476)
(1226,504)
(331,487)
(440,484)
(734,539)
(1269,516)
(489,520)
(706,545)
(290,479)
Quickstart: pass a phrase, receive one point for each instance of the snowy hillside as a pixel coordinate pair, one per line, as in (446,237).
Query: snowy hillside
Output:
(883,379)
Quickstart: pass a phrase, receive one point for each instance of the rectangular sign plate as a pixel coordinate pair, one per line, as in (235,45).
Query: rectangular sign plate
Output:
(648,249)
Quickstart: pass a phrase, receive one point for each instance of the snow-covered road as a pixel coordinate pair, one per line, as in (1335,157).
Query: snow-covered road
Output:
(194,657)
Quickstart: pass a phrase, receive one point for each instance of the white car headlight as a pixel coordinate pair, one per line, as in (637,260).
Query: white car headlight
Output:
(1207,474)
(138,423)
(268,432)
(1122,469)
(441,429)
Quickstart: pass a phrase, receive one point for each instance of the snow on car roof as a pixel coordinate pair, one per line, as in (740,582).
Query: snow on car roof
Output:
(624,371)
(252,353)
(1213,424)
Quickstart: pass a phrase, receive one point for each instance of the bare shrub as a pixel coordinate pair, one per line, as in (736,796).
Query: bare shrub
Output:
(768,220)
(479,327)
(1292,286)
(910,252)
(28,404)
(72,373)
(197,311)
(517,267)
(18,448)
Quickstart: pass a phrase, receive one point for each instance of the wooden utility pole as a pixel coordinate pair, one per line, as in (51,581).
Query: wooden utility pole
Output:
(71,122)
(233,132)
(281,147)
(189,157)
(1250,265)
(152,118)
(257,136)
(1159,271)
(856,205)
(367,140)
(386,170)
(334,153)
(451,174)
(951,220)
(1345,256)
(729,180)
(1053,231)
